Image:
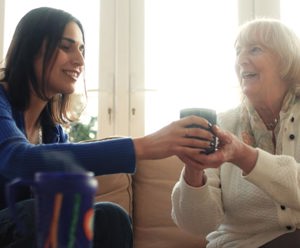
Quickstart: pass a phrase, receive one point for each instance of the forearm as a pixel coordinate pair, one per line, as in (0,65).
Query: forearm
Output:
(278,176)
(196,209)
(103,157)
(245,158)
(193,177)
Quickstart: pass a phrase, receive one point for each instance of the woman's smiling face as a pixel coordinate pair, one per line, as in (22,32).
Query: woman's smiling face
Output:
(258,70)
(64,71)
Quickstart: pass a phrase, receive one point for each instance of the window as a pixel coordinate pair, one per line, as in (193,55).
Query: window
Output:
(189,57)
(155,57)
(289,13)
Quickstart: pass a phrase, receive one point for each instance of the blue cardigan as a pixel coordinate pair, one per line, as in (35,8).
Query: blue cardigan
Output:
(19,158)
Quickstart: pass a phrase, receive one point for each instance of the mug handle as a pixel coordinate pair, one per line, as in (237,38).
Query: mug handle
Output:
(11,189)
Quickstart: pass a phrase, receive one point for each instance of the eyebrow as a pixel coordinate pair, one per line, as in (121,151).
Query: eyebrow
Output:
(70,40)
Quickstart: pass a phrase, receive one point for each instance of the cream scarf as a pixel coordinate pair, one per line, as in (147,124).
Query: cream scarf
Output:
(254,131)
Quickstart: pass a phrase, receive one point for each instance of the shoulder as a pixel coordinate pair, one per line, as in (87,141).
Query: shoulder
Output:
(229,119)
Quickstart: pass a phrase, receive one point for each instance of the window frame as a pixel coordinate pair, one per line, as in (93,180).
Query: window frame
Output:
(121,65)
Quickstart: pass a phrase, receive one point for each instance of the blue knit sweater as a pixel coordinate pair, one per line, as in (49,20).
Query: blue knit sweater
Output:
(19,158)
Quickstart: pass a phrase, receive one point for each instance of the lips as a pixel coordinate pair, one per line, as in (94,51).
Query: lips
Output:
(248,75)
(74,74)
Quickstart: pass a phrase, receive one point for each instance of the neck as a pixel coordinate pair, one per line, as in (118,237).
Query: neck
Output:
(33,113)
(32,120)
(268,104)
(269,113)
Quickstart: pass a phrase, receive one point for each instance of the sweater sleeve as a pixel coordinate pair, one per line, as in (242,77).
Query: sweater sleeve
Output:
(279,177)
(19,158)
(198,210)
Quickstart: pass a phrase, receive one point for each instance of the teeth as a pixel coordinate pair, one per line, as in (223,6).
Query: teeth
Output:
(248,74)
(72,74)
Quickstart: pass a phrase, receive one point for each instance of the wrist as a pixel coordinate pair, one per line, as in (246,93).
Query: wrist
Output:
(247,158)
(193,177)
(139,148)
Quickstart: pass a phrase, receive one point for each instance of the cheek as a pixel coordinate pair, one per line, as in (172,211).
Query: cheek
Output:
(54,70)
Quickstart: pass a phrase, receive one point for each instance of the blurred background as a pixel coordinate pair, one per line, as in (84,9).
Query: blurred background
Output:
(147,59)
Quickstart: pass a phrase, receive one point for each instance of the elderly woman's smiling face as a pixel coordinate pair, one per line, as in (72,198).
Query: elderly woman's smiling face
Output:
(258,70)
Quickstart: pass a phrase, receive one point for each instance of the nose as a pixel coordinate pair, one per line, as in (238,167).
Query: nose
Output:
(242,58)
(78,58)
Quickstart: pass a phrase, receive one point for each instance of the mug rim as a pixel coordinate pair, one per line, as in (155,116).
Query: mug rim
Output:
(58,174)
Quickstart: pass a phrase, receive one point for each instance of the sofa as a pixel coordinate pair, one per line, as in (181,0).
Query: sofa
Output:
(146,196)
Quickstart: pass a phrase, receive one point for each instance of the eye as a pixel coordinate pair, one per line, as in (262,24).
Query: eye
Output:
(64,46)
(255,49)
(82,49)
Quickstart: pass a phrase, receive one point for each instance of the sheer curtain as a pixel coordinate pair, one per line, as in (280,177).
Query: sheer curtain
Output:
(189,57)
(289,14)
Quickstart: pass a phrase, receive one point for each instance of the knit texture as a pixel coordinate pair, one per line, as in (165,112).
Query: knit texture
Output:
(237,211)
(19,158)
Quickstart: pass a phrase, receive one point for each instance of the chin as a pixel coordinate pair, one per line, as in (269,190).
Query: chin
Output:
(254,99)
(68,90)
(250,94)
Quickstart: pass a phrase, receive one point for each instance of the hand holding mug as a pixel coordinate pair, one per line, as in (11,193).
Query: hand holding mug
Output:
(210,116)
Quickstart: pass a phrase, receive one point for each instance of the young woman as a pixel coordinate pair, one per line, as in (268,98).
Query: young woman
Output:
(42,65)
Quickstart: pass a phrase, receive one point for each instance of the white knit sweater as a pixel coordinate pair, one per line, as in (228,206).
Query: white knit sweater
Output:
(237,211)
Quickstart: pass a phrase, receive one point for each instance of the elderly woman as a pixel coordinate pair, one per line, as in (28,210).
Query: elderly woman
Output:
(247,193)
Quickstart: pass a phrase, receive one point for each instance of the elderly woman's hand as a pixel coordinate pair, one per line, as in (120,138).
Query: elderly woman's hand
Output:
(178,138)
(230,149)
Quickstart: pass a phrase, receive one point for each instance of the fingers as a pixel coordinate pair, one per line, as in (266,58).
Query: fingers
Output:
(223,136)
(194,157)
(200,138)
(190,162)
(199,144)
(197,132)
(194,121)
(194,154)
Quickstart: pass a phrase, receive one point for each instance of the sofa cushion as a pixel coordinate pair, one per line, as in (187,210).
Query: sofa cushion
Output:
(153,225)
(115,188)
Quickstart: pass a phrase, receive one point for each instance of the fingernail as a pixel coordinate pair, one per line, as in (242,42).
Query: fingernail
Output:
(209,126)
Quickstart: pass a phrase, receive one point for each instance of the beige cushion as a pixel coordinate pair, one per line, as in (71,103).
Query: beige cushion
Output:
(153,225)
(115,188)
